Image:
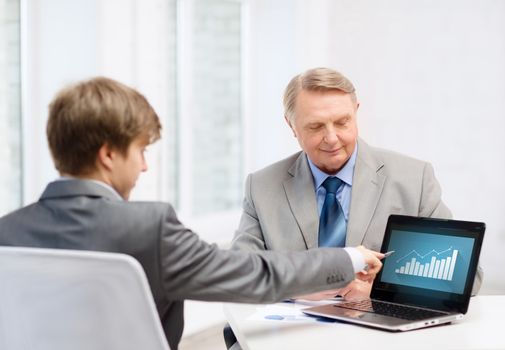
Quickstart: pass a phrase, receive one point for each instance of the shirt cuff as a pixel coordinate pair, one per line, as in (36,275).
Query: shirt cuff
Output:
(358,261)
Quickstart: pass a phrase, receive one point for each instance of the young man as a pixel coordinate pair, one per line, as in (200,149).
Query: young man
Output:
(97,132)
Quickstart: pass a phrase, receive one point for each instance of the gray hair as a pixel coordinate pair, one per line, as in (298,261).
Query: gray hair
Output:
(315,79)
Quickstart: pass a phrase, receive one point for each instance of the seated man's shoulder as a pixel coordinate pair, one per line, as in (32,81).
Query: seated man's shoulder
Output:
(393,159)
(279,169)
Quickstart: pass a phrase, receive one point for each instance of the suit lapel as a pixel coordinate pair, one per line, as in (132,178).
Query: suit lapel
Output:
(366,190)
(302,200)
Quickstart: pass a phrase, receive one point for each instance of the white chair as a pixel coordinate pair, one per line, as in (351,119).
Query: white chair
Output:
(75,300)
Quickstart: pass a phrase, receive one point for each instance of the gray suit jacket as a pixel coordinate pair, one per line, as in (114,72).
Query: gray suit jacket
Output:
(80,214)
(280,210)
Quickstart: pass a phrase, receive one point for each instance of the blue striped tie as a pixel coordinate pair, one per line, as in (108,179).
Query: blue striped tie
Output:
(332,225)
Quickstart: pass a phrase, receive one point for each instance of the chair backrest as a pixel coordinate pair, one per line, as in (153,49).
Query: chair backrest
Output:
(61,299)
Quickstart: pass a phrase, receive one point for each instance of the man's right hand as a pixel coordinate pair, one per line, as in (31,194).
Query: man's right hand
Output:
(372,262)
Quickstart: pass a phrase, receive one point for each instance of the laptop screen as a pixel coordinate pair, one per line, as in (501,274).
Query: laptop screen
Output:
(434,261)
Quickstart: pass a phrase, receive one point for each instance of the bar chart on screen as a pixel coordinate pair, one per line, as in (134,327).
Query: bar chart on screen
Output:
(429,265)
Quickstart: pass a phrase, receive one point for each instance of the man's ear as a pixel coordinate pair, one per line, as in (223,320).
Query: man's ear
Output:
(105,157)
(290,125)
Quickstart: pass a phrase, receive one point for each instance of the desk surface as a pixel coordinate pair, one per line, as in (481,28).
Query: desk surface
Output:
(479,329)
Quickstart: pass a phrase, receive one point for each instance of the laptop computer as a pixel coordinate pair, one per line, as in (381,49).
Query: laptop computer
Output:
(426,281)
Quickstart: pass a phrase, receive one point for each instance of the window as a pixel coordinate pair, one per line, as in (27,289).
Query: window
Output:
(185,56)
(10,106)
(210,106)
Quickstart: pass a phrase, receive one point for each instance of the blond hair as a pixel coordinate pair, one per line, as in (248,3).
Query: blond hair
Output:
(315,79)
(89,114)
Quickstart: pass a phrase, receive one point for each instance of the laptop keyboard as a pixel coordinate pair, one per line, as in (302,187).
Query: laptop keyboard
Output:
(399,311)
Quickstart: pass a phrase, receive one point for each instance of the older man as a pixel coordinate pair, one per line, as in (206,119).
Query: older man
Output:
(338,191)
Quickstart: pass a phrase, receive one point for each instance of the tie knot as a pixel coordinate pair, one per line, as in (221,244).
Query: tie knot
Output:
(331,184)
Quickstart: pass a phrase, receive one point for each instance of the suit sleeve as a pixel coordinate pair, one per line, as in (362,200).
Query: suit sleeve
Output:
(194,269)
(249,235)
(431,197)
(432,206)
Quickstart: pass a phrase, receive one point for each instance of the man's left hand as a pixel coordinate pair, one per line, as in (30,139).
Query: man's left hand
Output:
(356,290)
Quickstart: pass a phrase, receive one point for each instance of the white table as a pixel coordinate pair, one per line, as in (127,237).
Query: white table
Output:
(482,328)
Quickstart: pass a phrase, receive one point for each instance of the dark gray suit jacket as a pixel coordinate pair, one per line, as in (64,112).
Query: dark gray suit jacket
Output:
(80,214)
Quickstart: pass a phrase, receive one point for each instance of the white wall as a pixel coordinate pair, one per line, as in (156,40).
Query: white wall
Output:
(430,76)
(272,61)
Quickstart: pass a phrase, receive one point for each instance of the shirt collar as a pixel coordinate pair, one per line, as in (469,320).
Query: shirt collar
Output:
(100,183)
(345,174)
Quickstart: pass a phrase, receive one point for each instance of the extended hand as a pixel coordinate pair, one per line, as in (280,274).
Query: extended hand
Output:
(373,263)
